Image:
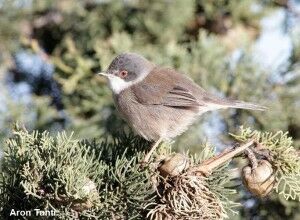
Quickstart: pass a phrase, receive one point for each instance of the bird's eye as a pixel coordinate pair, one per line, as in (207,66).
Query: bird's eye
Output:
(123,73)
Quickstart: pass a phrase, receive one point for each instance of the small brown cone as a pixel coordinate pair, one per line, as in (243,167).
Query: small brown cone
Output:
(261,180)
(173,165)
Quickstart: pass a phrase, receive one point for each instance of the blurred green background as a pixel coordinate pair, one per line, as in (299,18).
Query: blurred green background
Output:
(244,49)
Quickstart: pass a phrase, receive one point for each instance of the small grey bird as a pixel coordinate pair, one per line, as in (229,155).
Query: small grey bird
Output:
(160,103)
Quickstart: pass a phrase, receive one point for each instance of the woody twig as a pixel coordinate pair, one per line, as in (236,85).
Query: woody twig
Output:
(207,166)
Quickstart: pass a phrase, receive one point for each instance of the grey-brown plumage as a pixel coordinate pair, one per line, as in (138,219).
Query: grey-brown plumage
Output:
(166,107)
(160,103)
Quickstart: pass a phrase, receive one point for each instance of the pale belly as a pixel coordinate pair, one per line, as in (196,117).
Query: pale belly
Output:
(155,121)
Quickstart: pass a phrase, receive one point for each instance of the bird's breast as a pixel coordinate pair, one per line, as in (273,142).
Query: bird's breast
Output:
(141,118)
(153,121)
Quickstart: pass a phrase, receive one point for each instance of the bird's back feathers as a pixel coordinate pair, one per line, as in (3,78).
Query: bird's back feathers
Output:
(165,86)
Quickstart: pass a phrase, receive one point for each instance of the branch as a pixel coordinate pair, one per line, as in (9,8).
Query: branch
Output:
(207,166)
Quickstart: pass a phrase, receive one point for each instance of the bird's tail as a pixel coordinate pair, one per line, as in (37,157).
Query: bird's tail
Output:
(244,105)
(221,103)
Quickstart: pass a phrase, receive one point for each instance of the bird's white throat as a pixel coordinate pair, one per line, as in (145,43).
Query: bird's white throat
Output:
(118,84)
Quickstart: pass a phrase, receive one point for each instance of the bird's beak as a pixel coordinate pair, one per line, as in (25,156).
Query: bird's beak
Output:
(104,74)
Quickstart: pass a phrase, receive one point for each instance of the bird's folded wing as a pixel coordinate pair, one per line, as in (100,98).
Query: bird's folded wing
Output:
(179,97)
(162,94)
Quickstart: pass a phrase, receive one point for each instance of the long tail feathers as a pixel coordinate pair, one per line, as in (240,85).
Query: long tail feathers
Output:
(221,103)
(246,105)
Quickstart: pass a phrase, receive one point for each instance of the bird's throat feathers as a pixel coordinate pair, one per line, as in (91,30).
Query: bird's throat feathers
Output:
(118,84)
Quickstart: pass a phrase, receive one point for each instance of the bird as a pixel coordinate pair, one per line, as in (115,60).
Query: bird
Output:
(160,103)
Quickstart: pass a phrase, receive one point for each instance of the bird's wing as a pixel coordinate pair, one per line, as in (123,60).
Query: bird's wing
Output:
(179,97)
(164,87)
(169,88)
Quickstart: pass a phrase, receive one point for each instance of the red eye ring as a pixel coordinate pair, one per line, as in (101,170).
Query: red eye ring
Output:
(123,73)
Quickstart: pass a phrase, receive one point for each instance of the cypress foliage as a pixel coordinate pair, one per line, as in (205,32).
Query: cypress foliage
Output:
(69,41)
(98,179)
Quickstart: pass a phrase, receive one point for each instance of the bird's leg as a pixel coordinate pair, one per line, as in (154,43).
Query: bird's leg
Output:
(153,147)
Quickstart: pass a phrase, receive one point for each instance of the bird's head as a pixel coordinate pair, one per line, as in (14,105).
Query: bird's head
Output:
(127,69)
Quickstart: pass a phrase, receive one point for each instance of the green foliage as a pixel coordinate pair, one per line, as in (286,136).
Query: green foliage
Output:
(73,178)
(238,10)
(32,114)
(285,159)
(187,35)
(285,156)
(93,179)
(288,186)
(104,179)
(220,182)
(185,196)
